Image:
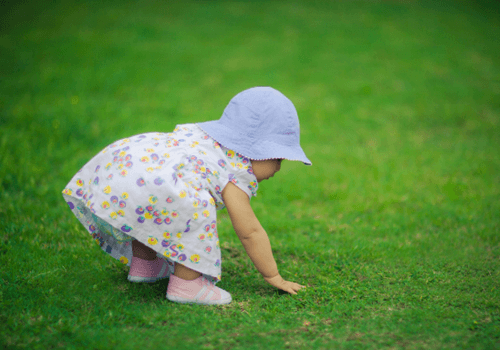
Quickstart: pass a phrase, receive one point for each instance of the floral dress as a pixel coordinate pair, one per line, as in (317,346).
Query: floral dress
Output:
(162,189)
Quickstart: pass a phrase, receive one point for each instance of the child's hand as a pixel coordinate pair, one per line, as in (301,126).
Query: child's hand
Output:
(280,283)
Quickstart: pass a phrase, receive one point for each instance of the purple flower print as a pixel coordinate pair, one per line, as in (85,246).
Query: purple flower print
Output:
(217,263)
(204,203)
(193,158)
(188,227)
(122,204)
(165,243)
(155,157)
(207,228)
(126,228)
(115,159)
(79,192)
(91,228)
(129,164)
(114,199)
(97,168)
(250,171)
(139,210)
(149,208)
(110,176)
(158,221)
(168,221)
(126,148)
(116,152)
(169,200)
(141,219)
(96,180)
(231,177)
(199,162)
(158,181)
(128,157)
(140,182)
(222,163)
(71,205)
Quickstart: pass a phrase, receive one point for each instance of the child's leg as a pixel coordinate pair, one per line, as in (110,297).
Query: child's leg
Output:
(140,251)
(185,273)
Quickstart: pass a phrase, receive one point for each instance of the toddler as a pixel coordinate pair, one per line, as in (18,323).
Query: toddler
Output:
(150,200)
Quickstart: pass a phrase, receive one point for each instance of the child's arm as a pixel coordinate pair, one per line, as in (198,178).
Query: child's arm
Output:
(254,238)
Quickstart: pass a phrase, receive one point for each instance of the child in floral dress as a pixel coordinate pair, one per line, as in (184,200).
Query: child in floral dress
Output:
(150,200)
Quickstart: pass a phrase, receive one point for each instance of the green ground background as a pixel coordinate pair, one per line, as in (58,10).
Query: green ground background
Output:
(394,229)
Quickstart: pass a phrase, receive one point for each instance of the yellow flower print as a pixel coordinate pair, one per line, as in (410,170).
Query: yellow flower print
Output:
(209,181)
(67,191)
(233,165)
(180,247)
(150,169)
(164,212)
(182,194)
(210,235)
(120,167)
(150,150)
(124,260)
(167,235)
(122,153)
(108,166)
(107,189)
(174,214)
(125,195)
(79,183)
(152,240)
(203,169)
(148,216)
(88,203)
(206,213)
(217,244)
(167,254)
(239,165)
(124,172)
(195,258)
(121,213)
(195,216)
(216,173)
(105,205)
(145,159)
(195,204)
(230,154)
(153,199)
(166,155)
(211,201)
(113,215)
(179,235)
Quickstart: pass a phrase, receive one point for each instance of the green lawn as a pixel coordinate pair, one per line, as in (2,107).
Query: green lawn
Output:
(394,229)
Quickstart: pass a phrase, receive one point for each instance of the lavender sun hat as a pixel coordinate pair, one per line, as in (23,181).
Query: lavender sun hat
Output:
(259,123)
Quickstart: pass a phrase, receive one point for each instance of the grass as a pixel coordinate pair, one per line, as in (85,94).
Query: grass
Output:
(395,228)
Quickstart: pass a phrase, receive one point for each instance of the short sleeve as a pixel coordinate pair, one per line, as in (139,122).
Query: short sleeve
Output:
(238,170)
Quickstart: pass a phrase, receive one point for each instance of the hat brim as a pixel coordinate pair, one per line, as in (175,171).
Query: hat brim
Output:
(250,147)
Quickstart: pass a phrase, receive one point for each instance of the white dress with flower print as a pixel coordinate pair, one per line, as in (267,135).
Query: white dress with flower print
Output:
(162,189)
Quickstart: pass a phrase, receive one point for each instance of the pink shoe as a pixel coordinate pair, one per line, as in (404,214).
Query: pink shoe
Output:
(148,270)
(198,291)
